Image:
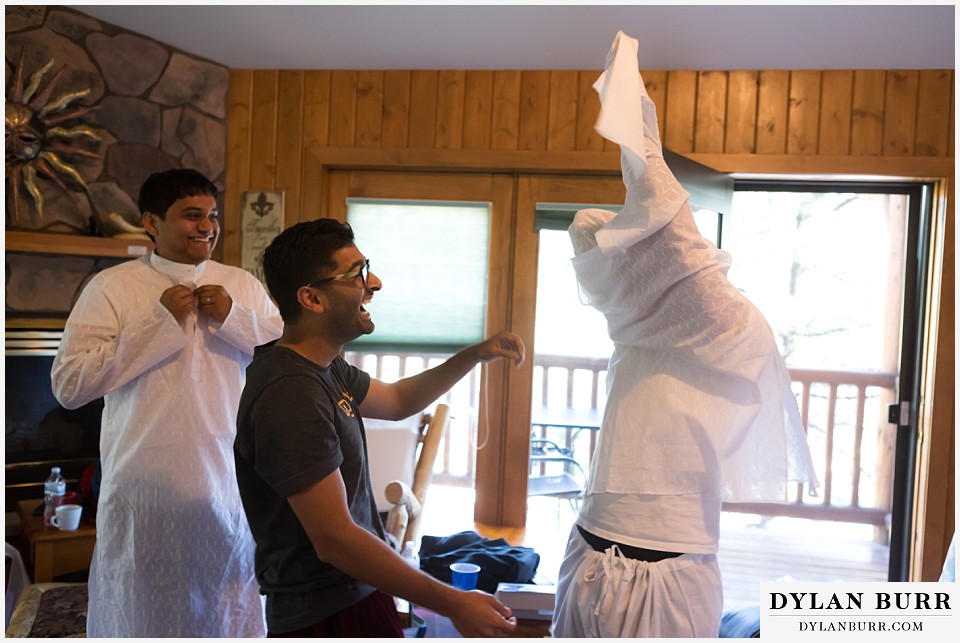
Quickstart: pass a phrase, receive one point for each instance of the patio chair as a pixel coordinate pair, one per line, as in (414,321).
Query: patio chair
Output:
(555,472)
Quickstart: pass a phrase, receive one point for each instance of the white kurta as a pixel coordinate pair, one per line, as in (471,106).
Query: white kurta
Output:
(174,554)
(699,398)
(699,404)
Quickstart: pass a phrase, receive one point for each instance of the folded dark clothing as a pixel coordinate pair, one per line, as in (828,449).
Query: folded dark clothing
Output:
(499,561)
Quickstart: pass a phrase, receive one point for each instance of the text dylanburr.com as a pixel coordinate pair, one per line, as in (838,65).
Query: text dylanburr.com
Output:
(795,611)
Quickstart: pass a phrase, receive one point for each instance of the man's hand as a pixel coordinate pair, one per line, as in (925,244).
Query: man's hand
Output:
(480,615)
(503,345)
(213,300)
(179,301)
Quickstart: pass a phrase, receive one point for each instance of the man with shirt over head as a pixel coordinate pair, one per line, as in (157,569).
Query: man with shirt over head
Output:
(301,456)
(699,406)
(165,339)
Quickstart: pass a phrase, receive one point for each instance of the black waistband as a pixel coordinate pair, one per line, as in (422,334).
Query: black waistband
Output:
(629,551)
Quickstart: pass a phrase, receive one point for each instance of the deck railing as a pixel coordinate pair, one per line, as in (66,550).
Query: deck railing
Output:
(844,413)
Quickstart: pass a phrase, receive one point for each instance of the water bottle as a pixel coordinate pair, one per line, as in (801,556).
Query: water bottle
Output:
(410,555)
(54,489)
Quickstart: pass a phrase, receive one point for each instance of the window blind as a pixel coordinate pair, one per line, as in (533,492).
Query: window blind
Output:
(432,257)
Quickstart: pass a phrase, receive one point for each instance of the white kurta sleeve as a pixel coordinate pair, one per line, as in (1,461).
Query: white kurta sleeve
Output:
(253,319)
(653,194)
(102,351)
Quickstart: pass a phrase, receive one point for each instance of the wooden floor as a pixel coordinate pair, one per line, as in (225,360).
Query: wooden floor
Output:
(780,550)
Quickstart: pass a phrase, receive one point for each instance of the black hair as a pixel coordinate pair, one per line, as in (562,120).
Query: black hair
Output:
(299,255)
(163,189)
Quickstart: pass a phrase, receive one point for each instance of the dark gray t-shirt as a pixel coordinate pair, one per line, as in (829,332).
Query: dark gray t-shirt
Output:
(297,423)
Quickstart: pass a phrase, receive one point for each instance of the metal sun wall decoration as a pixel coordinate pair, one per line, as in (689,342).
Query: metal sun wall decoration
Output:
(35,137)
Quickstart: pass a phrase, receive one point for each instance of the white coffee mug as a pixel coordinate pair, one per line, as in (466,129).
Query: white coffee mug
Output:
(67,517)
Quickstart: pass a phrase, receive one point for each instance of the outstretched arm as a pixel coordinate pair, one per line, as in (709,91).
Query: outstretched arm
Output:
(338,540)
(411,395)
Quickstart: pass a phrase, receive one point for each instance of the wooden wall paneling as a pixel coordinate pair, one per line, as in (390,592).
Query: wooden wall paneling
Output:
(451,85)
(772,101)
(316,127)
(423,109)
(263,151)
(588,108)
(835,112)
(506,110)
(656,85)
(900,113)
(290,141)
(933,112)
(951,142)
(573,189)
(369,109)
(711,111)
(903,166)
(396,109)
(239,143)
(866,125)
(494,482)
(803,113)
(681,116)
(477,109)
(343,108)
(534,110)
(741,123)
(420,185)
(338,189)
(562,111)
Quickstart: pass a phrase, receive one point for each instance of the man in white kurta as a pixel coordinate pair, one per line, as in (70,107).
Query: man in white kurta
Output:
(174,554)
(699,408)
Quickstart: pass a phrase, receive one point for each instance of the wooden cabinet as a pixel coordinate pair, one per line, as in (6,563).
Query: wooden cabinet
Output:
(51,552)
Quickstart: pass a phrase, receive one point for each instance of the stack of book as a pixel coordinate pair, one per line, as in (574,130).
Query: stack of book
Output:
(528,601)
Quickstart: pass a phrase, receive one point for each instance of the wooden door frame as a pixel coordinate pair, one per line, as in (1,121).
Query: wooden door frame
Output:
(531,191)
(494,485)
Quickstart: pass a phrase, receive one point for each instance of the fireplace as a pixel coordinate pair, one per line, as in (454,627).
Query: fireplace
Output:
(39,432)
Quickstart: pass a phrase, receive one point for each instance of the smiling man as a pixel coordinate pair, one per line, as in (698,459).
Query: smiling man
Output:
(302,468)
(164,340)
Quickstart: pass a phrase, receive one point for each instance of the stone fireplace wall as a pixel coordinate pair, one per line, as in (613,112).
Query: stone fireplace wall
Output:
(157,108)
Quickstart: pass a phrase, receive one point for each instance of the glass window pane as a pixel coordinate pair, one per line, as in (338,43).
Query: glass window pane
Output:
(560,314)
(708,224)
(825,269)
(432,258)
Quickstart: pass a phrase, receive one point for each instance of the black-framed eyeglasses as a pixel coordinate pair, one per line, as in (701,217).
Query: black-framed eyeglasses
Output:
(362,272)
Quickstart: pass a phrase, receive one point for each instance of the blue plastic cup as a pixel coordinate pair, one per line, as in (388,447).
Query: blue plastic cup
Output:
(465,575)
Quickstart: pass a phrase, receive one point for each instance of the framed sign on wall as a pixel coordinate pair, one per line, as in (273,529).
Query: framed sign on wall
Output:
(261,220)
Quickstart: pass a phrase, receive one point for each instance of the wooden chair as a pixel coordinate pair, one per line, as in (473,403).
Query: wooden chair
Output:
(555,472)
(403,519)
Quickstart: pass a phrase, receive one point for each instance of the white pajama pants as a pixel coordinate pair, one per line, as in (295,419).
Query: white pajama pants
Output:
(603,594)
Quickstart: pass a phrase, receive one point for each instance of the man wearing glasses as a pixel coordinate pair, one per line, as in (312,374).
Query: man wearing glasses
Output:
(321,555)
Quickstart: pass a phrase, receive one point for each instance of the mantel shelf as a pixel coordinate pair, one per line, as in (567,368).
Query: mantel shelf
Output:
(71,244)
